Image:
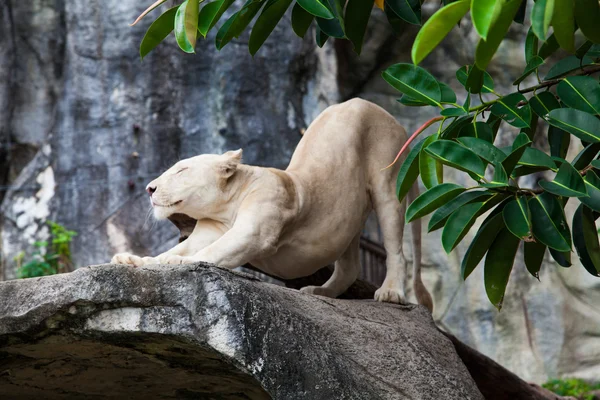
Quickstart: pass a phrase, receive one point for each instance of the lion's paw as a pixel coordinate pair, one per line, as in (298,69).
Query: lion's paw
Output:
(173,259)
(390,295)
(127,259)
(317,290)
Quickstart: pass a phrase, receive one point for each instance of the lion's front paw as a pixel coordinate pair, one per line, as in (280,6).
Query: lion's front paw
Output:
(174,259)
(390,294)
(128,259)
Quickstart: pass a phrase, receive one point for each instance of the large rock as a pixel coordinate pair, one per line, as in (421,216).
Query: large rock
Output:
(192,331)
(85,125)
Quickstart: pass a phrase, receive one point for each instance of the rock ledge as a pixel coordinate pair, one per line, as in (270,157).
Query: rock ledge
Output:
(196,331)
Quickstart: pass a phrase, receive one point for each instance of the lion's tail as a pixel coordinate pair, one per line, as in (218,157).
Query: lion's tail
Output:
(421,293)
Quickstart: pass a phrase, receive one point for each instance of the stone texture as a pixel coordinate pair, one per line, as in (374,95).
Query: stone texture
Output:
(73,91)
(194,330)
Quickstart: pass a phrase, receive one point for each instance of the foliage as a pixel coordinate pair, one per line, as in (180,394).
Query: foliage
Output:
(577,388)
(567,98)
(50,261)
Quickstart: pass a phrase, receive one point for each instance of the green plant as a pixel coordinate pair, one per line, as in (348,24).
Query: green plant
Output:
(572,387)
(46,261)
(567,98)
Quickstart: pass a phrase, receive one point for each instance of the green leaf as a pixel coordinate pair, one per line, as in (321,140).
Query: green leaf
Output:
(517,218)
(440,216)
(467,104)
(585,156)
(578,123)
(559,141)
(507,108)
(533,157)
(436,28)
(563,24)
(541,16)
(531,45)
(549,47)
(415,82)
(225,34)
(333,27)
(567,65)
(532,65)
(534,256)
(317,8)
(266,22)
(483,14)
(397,24)
(580,92)
(498,265)
(452,112)
(548,222)
(357,16)
(583,49)
(520,15)
(301,20)
(452,130)
(494,122)
(408,10)
(486,48)
(462,75)
(483,149)
(186,25)
(567,183)
(594,51)
(456,156)
(592,184)
(563,258)
(587,15)
(320,36)
(432,199)
(585,238)
(210,15)
(500,177)
(459,223)
(481,243)
(409,171)
(410,102)
(448,95)
(427,165)
(238,22)
(596,164)
(475,79)
(479,130)
(543,103)
(158,31)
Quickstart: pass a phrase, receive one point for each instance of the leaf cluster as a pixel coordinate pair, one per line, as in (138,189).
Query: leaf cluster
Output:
(48,261)
(567,98)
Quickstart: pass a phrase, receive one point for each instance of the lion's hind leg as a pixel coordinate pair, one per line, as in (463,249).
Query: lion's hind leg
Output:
(345,272)
(391,219)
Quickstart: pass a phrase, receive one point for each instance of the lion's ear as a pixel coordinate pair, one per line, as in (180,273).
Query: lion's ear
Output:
(231,160)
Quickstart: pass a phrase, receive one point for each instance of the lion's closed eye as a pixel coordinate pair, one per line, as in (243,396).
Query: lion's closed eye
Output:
(181,170)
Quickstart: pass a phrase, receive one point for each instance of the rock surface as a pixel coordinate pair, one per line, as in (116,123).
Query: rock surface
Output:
(194,330)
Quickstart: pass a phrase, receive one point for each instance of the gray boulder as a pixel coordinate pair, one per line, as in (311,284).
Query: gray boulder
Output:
(196,331)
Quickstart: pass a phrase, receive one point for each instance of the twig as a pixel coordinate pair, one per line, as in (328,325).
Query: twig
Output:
(413,137)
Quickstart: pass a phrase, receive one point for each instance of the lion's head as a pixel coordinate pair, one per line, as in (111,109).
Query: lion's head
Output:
(193,186)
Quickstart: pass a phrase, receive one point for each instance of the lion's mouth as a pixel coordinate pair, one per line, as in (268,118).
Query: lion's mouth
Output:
(166,205)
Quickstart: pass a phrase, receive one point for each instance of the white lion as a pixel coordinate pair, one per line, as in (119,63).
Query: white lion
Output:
(292,223)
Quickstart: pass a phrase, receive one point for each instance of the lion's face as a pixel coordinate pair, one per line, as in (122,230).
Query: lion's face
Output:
(193,186)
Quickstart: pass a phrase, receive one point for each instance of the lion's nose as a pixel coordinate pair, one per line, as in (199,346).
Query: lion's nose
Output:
(150,189)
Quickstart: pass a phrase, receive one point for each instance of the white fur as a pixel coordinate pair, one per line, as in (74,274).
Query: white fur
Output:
(292,223)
